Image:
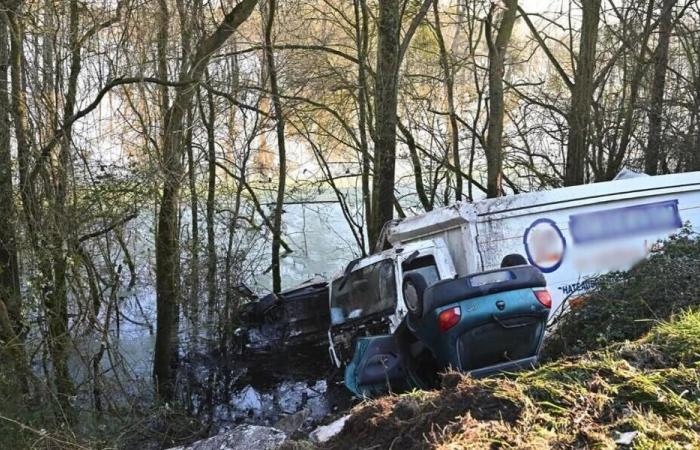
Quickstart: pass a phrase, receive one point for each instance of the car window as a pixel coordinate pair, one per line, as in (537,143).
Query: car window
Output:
(365,291)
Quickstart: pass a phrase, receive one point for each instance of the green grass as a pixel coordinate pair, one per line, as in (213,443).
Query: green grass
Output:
(626,305)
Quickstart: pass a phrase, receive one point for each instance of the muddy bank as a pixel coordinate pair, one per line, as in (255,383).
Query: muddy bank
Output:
(643,394)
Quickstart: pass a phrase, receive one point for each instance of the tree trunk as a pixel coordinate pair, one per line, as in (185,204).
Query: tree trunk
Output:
(615,159)
(192,307)
(13,347)
(186,16)
(362,42)
(652,155)
(494,138)
(417,168)
(167,239)
(695,140)
(167,272)
(57,299)
(281,149)
(385,106)
(582,96)
(448,72)
(162,50)
(9,262)
(20,117)
(211,197)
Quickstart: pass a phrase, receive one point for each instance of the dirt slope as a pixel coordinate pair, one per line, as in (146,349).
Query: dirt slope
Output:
(646,392)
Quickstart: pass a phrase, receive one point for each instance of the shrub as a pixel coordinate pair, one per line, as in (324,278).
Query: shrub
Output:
(625,305)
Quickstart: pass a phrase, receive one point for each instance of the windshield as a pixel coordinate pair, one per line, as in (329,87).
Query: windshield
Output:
(365,291)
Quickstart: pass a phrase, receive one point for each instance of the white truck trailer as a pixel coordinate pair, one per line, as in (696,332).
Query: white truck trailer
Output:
(571,234)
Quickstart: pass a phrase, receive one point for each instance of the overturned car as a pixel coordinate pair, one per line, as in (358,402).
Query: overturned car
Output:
(400,317)
(437,298)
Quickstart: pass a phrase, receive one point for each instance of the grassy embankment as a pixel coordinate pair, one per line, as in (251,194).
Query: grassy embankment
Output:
(623,369)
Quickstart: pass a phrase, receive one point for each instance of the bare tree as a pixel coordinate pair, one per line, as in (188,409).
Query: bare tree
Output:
(390,51)
(9,262)
(385,106)
(497,55)
(281,146)
(653,154)
(167,238)
(448,71)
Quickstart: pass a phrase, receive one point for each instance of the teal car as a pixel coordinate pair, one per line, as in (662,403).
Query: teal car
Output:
(480,324)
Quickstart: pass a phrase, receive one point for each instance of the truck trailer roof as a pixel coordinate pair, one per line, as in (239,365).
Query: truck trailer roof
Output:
(539,201)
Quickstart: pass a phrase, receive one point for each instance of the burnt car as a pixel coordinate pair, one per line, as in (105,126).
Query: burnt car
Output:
(296,316)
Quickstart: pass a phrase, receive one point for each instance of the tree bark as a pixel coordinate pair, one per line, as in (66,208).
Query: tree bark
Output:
(448,72)
(9,262)
(20,117)
(362,43)
(14,348)
(385,106)
(167,238)
(695,139)
(281,148)
(211,198)
(652,155)
(615,159)
(582,96)
(417,168)
(192,308)
(494,138)
(390,51)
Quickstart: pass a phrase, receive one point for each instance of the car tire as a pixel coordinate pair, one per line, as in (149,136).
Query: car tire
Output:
(414,286)
(513,259)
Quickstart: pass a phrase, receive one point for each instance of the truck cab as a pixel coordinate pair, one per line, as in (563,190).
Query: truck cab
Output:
(367,298)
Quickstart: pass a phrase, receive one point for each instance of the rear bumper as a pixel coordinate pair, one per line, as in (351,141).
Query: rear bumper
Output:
(509,366)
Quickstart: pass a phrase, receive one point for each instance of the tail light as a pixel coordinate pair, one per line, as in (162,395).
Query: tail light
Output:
(544,297)
(449,318)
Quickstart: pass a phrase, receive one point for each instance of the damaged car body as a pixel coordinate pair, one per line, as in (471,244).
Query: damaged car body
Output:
(463,286)
(402,316)
(293,317)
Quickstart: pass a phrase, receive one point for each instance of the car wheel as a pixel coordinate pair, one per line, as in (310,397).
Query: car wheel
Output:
(414,286)
(514,259)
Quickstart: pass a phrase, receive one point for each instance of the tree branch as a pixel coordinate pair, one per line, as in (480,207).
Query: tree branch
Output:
(546,49)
